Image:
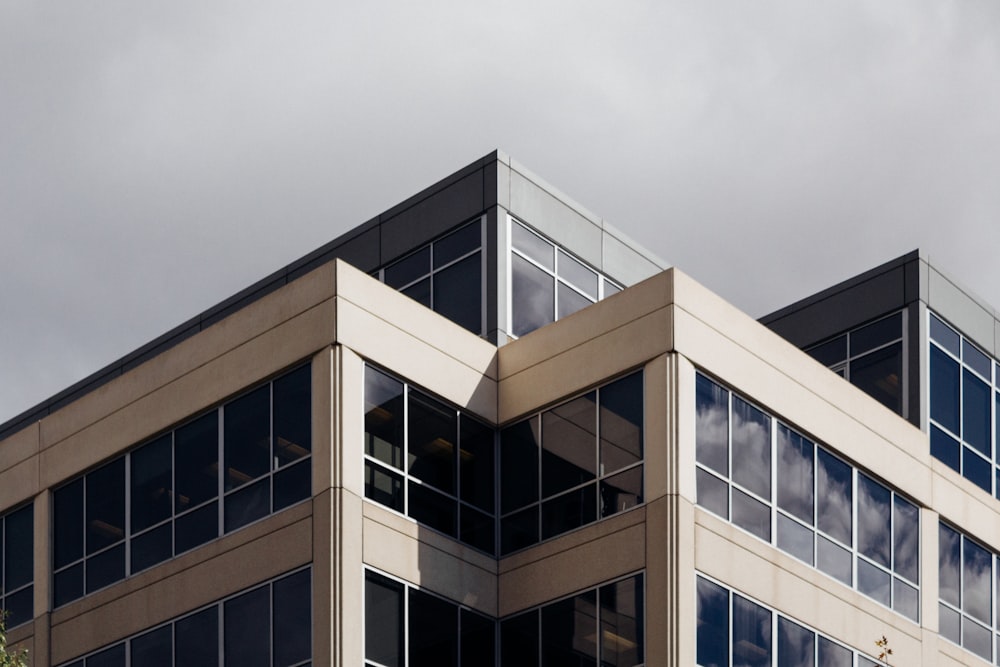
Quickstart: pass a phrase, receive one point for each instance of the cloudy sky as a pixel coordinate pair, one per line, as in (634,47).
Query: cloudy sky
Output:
(156,157)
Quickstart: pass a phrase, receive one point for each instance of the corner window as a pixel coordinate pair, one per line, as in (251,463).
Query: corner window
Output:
(408,627)
(446,276)
(548,283)
(17,575)
(964,396)
(599,626)
(572,464)
(428,460)
(823,511)
(178,497)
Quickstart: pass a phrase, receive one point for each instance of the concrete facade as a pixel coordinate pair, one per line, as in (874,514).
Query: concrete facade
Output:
(337,320)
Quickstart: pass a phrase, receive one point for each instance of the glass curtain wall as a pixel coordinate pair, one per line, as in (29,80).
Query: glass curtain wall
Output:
(17,575)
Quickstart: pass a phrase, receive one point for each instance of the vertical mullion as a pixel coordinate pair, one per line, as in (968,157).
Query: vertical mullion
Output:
(406,448)
(220,636)
(483,277)
(273,466)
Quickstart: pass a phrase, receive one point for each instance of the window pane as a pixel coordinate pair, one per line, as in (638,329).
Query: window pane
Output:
(751,515)
(20,606)
(475,460)
(196,528)
(152,485)
(622,491)
(248,437)
(477,529)
(293,415)
(196,458)
(153,649)
(519,530)
(292,484)
(751,448)
(292,619)
(833,655)
(408,269)
(532,296)
(532,245)
(712,427)
(945,397)
(795,474)
(433,509)
(945,448)
(433,631)
(621,423)
(458,293)
(68,585)
(196,639)
(420,292)
(796,645)
(794,538)
(568,511)
(569,631)
(906,599)
(906,537)
(949,565)
(873,582)
(106,505)
(478,639)
(383,417)
(106,568)
(152,547)
(578,274)
(433,432)
(569,444)
(977,360)
(976,412)
(834,560)
(977,581)
(713,625)
(519,465)
(950,624)
(879,374)
(248,504)
(247,635)
(834,497)
(456,244)
(112,657)
(610,289)
(873,520)
(977,639)
(622,623)
(570,301)
(876,334)
(751,633)
(68,519)
(383,486)
(976,469)
(519,641)
(945,335)
(713,493)
(831,352)
(19,539)
(383,620)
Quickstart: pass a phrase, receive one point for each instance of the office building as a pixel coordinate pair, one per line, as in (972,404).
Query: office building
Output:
(486,428)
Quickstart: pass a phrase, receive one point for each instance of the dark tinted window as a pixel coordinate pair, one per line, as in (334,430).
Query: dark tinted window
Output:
(196,459)
(153,649)
(458,293)
(433,631)
(519,641)
(105,498)
(532,296)
(383,417)
(293,416)
(292,619)
(152,484)
(568,444)
(196,639)
(383,620)
(433,433)
(248,437)
(519,465)
(248,630)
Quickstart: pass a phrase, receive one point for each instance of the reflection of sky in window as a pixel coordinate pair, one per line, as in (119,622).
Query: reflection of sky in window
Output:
(873,520)
(833,497)
(751,634)
(712,428)
(751,448)
(949,557)
(976,584)
(795,474)
(906,528)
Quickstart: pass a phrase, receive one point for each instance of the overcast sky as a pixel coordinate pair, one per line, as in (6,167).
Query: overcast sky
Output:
(156,157)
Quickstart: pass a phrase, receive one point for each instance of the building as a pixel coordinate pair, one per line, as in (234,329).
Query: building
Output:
(486,428)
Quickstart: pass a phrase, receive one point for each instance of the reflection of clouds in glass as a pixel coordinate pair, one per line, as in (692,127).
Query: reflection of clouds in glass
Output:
(833,497)
(751,634)
(874,582)
(906,527)
(976,585)
(712,425)
(949,565)
(873,520)
(795,474)
(834,655)
(751,448)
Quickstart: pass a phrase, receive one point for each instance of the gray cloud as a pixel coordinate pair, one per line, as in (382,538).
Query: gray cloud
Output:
(156,157)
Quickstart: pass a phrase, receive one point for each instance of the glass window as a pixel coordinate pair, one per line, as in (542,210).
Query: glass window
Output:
(477,640)
(795,474)
(248,437)
(17,533)
(292,399)
(458,293)
(796,645)
(751,633)
(519,640)
(879,374)
(622,641)
(712,428)
(383,620)
(433,631)
(383,417)
(591,463)
(569,631)
(432,431)
(153,649)
(873,520)
(751,448)
(196,638)
(834,497)
(532,296)
(532,246)
(409,269)
(713,624)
